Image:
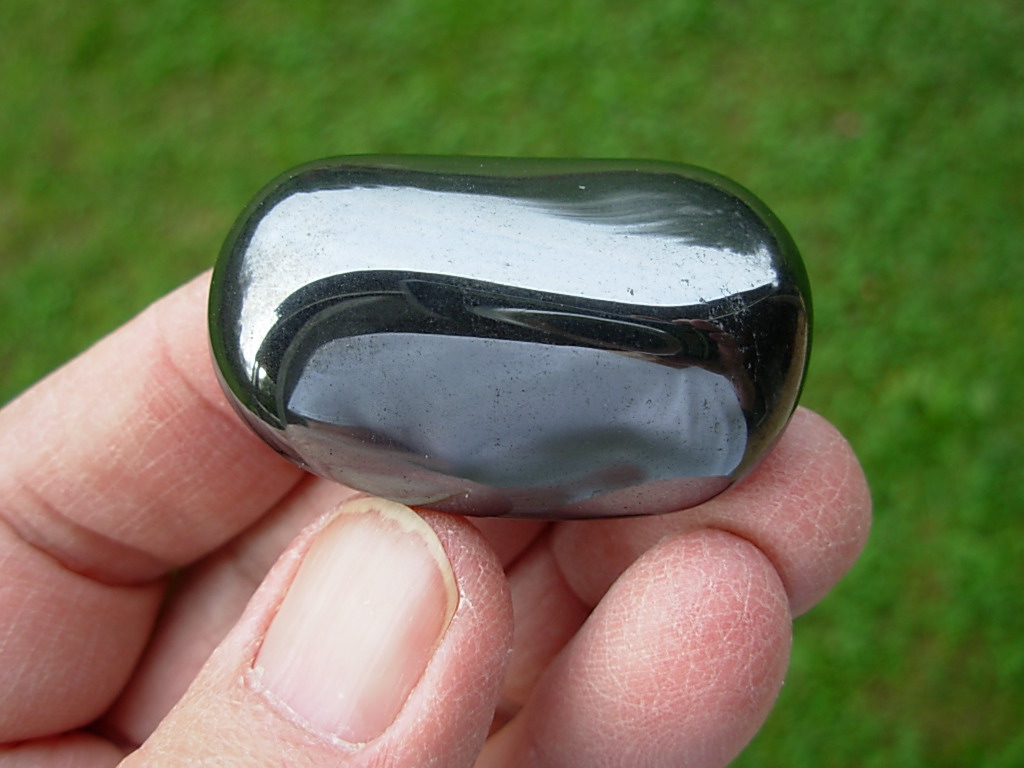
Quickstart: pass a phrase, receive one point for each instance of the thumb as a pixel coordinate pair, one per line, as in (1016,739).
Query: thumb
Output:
(378,639)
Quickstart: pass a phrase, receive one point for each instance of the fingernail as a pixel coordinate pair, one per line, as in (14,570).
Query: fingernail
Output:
(360,622)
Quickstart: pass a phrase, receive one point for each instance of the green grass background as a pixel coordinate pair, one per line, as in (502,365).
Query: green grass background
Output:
(887,135)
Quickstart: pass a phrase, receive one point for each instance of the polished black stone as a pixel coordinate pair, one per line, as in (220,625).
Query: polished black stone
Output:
(538,338)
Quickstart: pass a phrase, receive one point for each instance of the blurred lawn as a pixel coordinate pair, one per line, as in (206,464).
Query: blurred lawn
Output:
(887,135)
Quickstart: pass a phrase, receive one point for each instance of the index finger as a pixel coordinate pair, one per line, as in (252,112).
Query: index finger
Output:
(121,465)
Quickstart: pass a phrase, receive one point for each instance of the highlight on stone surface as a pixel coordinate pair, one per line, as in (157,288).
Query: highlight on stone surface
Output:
(533,338)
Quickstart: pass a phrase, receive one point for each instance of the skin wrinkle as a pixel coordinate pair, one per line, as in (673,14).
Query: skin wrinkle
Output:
(538,579)
(254,551)
(114,563)
(183,389)
(31,501)
(210,599)
(9,632)
(114,559)
(177,390)
(729,611)
(739,625)
(803,549)
(88,749)
(44,623)
(244,554)
(511,539)
(208,621)
(779,567)
(510,706)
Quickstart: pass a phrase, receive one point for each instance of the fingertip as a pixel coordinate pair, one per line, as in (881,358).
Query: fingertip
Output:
(812,508)
(679,664)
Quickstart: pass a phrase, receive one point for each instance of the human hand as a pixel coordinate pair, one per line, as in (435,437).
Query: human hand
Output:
(139,517)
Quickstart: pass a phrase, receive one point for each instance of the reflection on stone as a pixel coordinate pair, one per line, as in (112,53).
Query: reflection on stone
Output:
(597,340)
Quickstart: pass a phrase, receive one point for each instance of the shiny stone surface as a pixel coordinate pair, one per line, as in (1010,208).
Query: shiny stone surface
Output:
(536,338)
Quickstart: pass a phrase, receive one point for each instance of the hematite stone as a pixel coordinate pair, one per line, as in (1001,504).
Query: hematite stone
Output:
(535,338)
